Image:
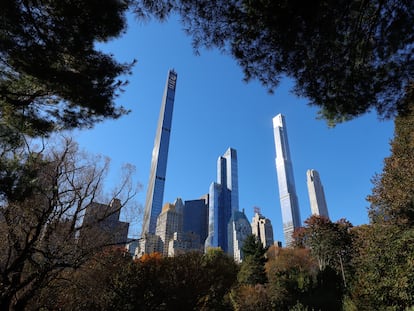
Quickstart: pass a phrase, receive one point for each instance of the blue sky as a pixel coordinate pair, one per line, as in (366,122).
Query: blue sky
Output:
(214,109)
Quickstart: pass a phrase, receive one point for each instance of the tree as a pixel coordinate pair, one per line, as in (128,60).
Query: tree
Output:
(384,268)
(385,247)
(330,243)
(221,275)
(40,233)
(292,274)
(392,198)
(190,281)
(88,288)
(252,270)
(52,76)
(346,57)
(251,298)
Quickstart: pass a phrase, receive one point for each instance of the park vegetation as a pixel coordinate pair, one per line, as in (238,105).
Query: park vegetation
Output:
(346,57)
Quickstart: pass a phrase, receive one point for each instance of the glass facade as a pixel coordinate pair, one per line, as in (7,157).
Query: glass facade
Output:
(222,200)
(316,194)
(155,191)
(231,173)
(287,190)
(195,217)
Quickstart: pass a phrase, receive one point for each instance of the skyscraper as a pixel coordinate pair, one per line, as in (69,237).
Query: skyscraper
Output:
(316,194)
(101,221)
(239,229)
(222,200)
(287,191)
(170,221)
(232,181)
(262,228)
(155,192)
(195,217)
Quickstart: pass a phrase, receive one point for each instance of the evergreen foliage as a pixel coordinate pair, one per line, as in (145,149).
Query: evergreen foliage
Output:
(392,199)
(52,77)
(346,57)
(252,270)
(384,268)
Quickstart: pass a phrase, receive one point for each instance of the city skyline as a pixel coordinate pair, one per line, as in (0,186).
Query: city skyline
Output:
(155,191)
(289,204)
(217,109)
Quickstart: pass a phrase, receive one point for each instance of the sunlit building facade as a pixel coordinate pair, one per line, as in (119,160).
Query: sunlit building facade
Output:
(287,190)
(222,200)
(316,194)
(262,228)
(155,191)
(238,230)
(169,222)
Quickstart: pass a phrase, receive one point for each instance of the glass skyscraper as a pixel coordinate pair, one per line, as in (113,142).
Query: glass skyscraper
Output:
(223,200)
(287,190)
(195,216)
(155,192)
(316,194)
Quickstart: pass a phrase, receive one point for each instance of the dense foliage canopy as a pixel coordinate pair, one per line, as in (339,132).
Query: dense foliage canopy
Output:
(392,199)
(52,76)
(346,57)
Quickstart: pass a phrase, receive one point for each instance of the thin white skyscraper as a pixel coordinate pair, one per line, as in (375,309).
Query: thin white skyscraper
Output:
(155,192)
(316,194)
(287,191)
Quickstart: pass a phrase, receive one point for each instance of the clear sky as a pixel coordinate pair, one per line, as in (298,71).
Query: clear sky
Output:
(214,109)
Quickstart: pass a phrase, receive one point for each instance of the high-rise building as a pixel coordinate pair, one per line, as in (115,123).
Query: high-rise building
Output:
(147,244)
(316,194)
(262,229)
(287,190)
(101,224)
(238,230)
(155,192)
(222,200)
(170,221)
(231,178)
(195,218)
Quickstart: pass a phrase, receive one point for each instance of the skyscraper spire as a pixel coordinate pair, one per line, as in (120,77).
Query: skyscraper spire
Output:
(287,191)
(316,194)
(155,192)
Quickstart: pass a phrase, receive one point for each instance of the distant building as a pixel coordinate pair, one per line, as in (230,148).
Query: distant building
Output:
(262,228)
(101,224)
(155,192)
(195,218)
(183,243)
(287,190)
(170,221)
(170,239)
(148,244)
(223,200)
(316,194)
(132,246)
(238,230)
